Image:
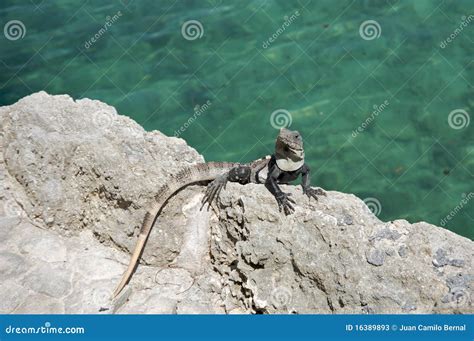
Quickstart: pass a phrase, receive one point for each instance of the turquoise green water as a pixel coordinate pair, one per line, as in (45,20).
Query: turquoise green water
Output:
(316,66)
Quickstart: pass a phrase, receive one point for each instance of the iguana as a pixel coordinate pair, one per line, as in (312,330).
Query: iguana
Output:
(285,165)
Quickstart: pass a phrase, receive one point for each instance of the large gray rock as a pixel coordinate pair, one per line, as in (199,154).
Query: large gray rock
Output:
(76,179)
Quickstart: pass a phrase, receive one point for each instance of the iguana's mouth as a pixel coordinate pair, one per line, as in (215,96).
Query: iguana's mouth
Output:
(294,148)
(293,153)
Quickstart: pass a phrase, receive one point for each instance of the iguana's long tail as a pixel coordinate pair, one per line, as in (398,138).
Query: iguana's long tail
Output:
(200,172)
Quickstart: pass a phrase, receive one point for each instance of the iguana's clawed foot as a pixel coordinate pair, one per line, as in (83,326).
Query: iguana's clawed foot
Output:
(285,203)
(313,193)
(213,190)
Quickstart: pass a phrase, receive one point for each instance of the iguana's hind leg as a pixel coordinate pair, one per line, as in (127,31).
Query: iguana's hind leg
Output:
(213,189)
(240,174)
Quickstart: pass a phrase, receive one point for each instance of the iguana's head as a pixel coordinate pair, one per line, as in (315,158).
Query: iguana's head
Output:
(289,141)
(289,150)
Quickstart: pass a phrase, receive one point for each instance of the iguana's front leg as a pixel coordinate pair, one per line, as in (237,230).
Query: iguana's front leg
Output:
(305,183)
(240,174)
(283,199)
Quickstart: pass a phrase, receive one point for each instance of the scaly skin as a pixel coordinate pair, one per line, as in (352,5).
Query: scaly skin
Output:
(197,173)
(289,154)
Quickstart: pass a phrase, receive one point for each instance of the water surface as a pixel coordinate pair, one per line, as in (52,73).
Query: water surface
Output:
(373,112)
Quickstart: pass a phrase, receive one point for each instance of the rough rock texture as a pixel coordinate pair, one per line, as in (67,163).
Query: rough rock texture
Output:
(75,180)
